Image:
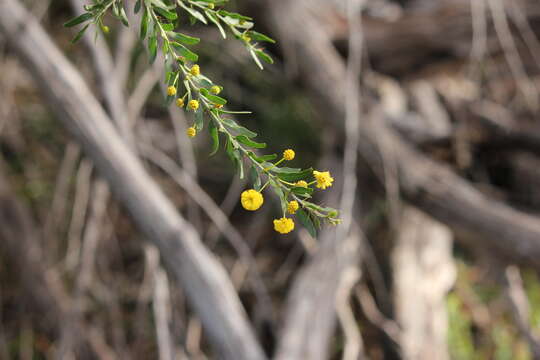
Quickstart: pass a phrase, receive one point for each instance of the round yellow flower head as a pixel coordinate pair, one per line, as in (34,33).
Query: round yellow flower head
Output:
(171,91)
(288,154)
(283,225)
(180,102)
(211,6)
(105,29)
(215,89)
(323,178)
(251,200)
(246,38)
(193,104)
(292,206)
(301,183)
(191,132)
(195,70)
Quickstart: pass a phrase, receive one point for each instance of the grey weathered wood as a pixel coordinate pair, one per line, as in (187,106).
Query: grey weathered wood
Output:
(203,278)
(495,226)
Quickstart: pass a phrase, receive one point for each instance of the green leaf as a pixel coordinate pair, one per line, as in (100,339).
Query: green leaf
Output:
(255,178)
(79,19)
(234,15)
(137,6)
(166,13)
(188,40)
(152,48)
(300,190)
(123,16)
(167,27)
(80,34)
(262,159)
(196,14)
(240,129)
(255,58)
(214,98)
(215,137)
(264,56)
(144,24)
(199,119)
(260,37)
(305,219)
(246,141)
(185,52)
(215,20)
(292,176)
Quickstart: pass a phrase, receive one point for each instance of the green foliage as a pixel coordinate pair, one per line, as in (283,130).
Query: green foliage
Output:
(159,21)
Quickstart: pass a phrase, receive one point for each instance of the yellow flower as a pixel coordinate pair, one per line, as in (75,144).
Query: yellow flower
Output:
(218,106)
(171,91)
(193,104)
(215,89)
(195,70)
(323,178)
(288,154)
(211,6)
(251,200)
(191,132)
(301,183)
(283,225)
(179,102)
(105,29)
(292,206)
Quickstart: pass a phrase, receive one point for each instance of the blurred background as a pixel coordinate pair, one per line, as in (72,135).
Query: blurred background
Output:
(425,111)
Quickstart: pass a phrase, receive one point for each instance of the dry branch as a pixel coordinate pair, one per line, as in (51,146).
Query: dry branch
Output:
(435,189)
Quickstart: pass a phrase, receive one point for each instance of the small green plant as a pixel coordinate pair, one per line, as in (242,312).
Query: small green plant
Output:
(190,89)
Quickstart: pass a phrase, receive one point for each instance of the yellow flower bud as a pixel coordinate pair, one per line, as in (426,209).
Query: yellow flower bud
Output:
(195,70)
(180,102)
(251,200)
(171,91)
(215,89)
(193,105)
(211,6)
(191,132)
(105,29)
(288,154)
(301,183)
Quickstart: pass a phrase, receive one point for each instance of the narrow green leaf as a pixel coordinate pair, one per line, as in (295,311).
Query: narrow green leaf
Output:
(80,34)
(167,27)
(185,52)
(144,24)
(300,190)
(240,129)
(260,37)
(215,20)
(123,16)
(199,119)
(293,176)
(305,219)
(255,178)
(78,20)
(214,98)
(188,40)
(264,56)
(137,6)
(152,48)
(196,14)
(166,13)
(246,141)
(255,58)
(215,137)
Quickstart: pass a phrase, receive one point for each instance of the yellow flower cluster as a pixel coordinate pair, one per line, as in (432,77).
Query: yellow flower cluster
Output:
(215,90)
(288,154)
(284,225)
(195,70)
(191,132)
(171,91)
(251,199)
(301,183)
(193,105)
(292,206)
(323,179)
(180,102)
